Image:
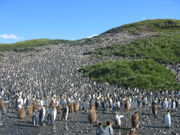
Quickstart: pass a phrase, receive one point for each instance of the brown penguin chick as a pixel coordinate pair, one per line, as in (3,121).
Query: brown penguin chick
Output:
(71,107)
(154,109)
(29,110)
(133,132)
(135,120)
(35,106)
(59,109)
(92,115)
(21,113)
(127,105)
(93,106)
(76,107)
(52,104)
(2,105)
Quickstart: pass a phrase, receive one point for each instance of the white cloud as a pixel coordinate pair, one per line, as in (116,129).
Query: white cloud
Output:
(93,35)
(9,36)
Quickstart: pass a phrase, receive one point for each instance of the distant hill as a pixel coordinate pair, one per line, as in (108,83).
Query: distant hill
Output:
(139,28)
(128,32)
(29,45)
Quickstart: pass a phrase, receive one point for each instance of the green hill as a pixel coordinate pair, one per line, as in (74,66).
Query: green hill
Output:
(29,45)
(163,48)
(143,74)
(156,25)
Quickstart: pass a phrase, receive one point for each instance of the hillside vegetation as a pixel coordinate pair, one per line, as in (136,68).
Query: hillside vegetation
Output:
(156,25)
(162,48)
(29,45)
(144,70)
(143,74)
(138,28)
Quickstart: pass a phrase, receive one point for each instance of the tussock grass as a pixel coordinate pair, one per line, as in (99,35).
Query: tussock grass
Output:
(142,74)
(163,48)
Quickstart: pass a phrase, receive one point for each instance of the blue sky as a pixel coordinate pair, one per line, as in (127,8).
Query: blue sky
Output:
(75,19)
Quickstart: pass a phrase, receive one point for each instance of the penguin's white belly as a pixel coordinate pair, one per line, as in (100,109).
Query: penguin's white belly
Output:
(55,114)
(168,120)
(118,122)
(44,113)
(165,105)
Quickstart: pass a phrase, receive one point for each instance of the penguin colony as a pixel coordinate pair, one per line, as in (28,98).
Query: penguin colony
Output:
(51,110)
(46,88)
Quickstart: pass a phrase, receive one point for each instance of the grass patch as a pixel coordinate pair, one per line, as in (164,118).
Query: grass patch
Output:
(1,55)
(162,48)
(142,74)
(29,45)
(156,25)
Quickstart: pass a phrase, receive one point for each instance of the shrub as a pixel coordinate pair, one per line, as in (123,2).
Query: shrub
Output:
(143,74)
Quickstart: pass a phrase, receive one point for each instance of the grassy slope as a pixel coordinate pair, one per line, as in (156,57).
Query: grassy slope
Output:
(157,25)
(30,44)
(143,74)
(163,48)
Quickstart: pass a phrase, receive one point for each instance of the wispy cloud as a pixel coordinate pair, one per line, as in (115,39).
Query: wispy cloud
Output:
(9,36)
(93,35)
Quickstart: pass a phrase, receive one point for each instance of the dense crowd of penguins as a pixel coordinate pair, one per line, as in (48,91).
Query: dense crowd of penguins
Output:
(52,108)
(47,86)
